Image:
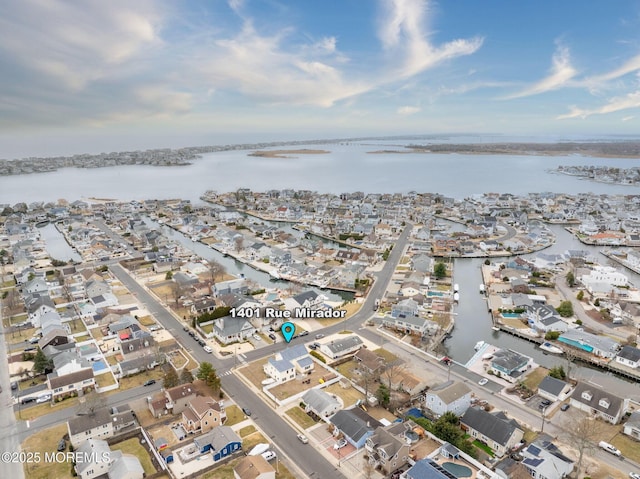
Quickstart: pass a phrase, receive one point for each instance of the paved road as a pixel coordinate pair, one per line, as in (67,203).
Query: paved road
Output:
(9,440)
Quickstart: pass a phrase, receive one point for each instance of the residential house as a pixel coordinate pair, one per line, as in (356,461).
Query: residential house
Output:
(554,389)
(600,346)
(509,364)
(97,458)
(599,403)
(422,263)
(254,467)
(284,365)
(75,383)
(341,347)
(320,404)
(97,425)
(408,383)
(405,309)
(306,300)
(179,397)
(415,325)
(38,306)
(388,448)
(544,460)
(427,469)
(494,429)
(279,257)
(369,363)
(127,466)
(544,318)
(629,356)
(221,441)
(232,330)
(451,396)
(203,414)
(632,426)
(203,305)
(233,286)
(355,425)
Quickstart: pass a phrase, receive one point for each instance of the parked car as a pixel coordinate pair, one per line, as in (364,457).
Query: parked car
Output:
(150,382)
(246,411)
(43,398)
(27,400)
(257,337)
(483,381)
(304,333)
(272,336)
(269,455)
(62,445)
(208,349)
(340,444)
(634,475)
(303,439)
(564,407)
(14,385)
(319,336)
(545,402)
(313,346)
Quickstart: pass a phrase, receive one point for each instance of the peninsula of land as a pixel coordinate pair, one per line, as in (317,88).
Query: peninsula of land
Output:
(287,153)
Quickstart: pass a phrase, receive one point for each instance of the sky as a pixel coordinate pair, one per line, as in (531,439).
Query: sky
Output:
(91,76)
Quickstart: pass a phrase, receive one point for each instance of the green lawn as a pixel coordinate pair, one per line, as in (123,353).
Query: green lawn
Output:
(300,417)
(483,446)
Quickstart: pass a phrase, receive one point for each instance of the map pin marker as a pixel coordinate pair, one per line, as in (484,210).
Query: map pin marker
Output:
(288,329)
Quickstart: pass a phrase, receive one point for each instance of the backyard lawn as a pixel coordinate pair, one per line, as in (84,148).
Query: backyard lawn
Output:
(234,415)
(535,377)
(133,446)
(300,417)
(41,442)
(349,396)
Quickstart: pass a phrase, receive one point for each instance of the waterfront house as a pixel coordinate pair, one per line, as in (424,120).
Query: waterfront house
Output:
(232,286)
(405,308)
(544,318)
(451,396)
(599,403)
(494,429)
(600,346)
(320,403)
(632,426)
(509,364)
(427,469)
(629,356)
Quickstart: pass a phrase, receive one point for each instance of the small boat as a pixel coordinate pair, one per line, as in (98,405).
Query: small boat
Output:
(550,348)
(487,356)
(482,289)
(456,297)
(495,328)
(456,288)
(478,345)
(274,274)
(42,224)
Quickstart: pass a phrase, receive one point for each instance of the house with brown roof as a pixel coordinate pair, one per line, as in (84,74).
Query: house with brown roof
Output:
(254,467)
(203,414)
(179,397)
(77,382)
(369,362)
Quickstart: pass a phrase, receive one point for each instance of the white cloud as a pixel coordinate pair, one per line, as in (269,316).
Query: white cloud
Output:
(561,72)
(402,33)
(631,100)
(630,66)
(407,110)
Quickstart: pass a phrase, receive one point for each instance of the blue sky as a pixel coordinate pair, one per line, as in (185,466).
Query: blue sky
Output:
(95,76)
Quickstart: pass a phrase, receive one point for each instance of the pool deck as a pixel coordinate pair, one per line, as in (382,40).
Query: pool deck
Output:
(460,462)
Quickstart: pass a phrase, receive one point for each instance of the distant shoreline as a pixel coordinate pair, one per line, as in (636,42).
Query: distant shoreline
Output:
(287,153)
(630,150)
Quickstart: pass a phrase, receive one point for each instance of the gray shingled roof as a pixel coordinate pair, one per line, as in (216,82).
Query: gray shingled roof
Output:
(493,426)
(552,385)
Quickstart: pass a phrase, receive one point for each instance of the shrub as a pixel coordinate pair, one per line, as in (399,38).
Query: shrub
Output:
(318,356)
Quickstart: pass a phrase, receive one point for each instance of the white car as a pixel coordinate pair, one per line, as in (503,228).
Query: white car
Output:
(257,337)
(634,475)
(304,440)
(340,444)
(483,381)
(43,398)
(208,349)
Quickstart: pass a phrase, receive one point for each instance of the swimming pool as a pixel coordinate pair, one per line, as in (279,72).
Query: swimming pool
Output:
(457,470)
(510,315)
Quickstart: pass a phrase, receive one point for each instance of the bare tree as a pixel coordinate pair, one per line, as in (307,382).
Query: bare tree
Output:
(239,243)
(91,403)
(571,356)
(580,432)
(176,291)
(392,369)
(216,270)
(367,469)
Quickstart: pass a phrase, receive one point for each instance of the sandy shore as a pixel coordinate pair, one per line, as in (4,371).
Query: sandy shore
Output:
(287,153)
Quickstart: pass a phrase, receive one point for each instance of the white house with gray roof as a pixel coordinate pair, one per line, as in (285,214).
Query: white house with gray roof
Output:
(600,346)
(341,347)
(554,389)
(599,403)
(632,426)
(451,396)
(494,429)
(232,330)
(320,403)
(284,365)
(544,460)
(629,356)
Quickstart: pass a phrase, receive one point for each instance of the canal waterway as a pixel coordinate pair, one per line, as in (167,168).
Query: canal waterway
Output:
(56,245)
(473,320)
